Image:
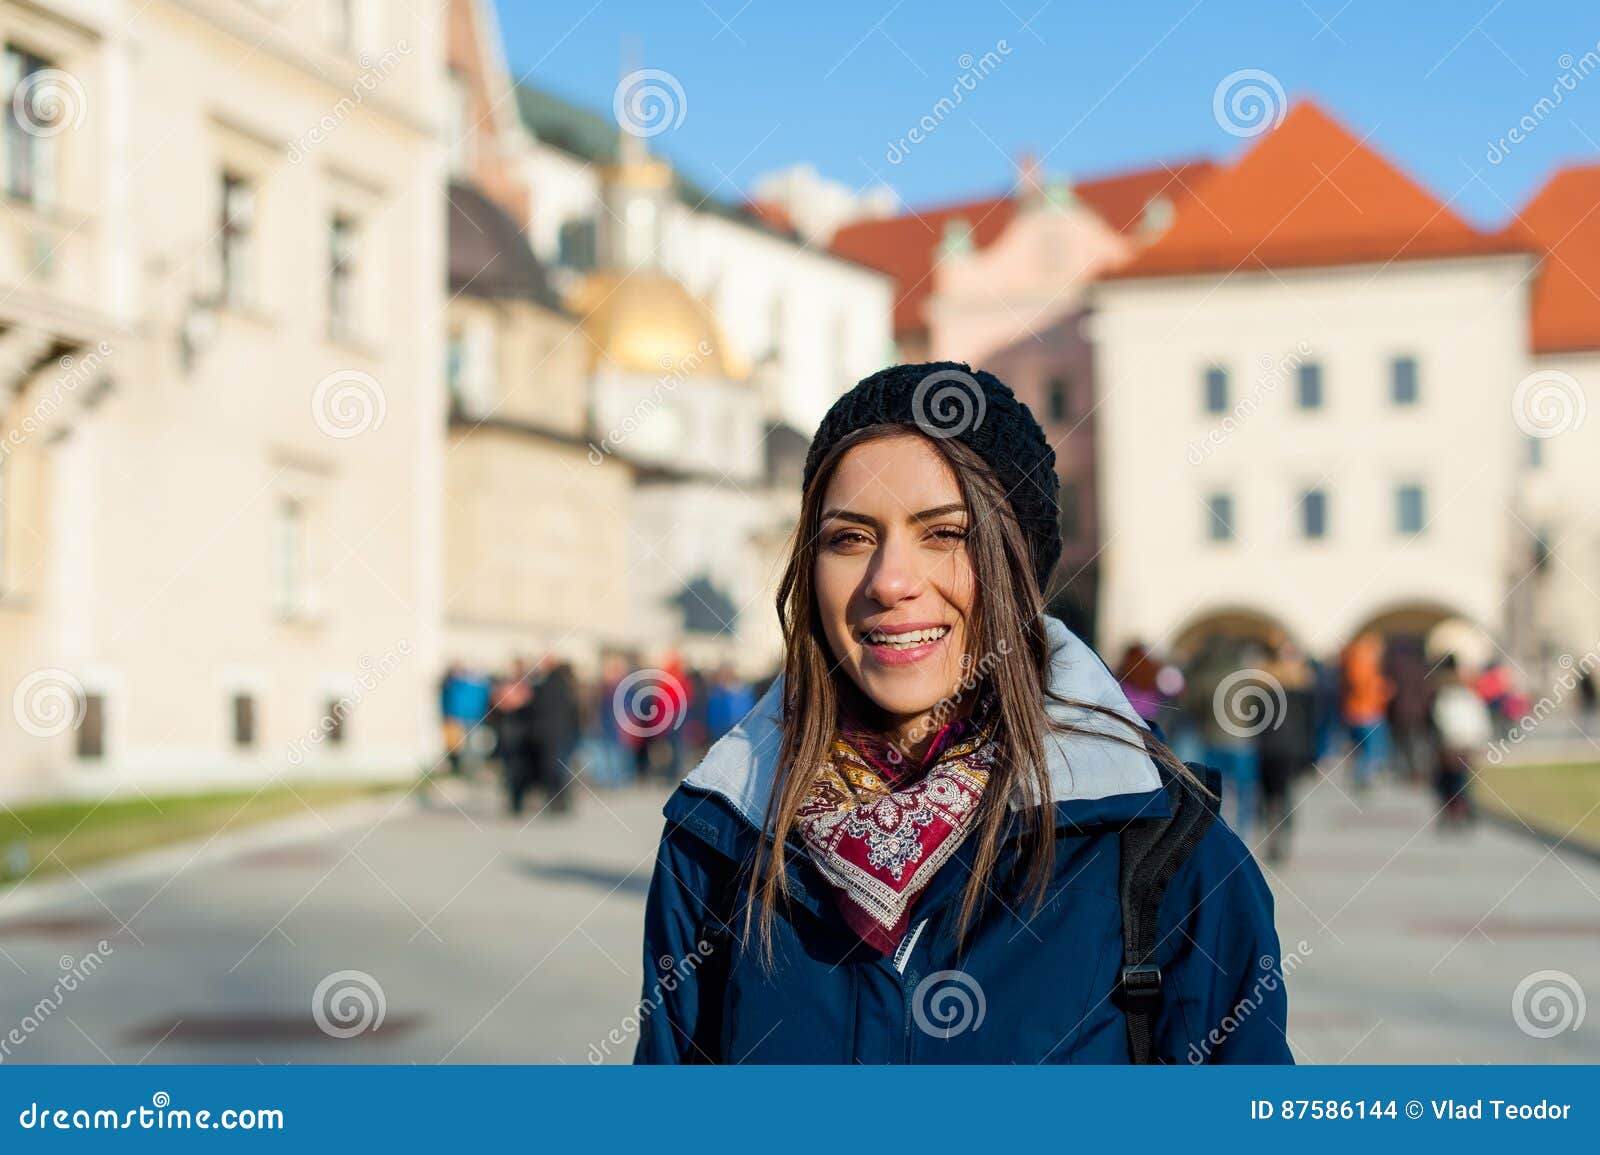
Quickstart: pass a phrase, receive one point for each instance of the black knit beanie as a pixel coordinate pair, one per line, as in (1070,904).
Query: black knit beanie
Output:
(948,399)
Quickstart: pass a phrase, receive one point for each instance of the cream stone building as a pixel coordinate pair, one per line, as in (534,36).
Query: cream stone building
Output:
(1557,407)
(1305,407)
(222,317)
(536,522)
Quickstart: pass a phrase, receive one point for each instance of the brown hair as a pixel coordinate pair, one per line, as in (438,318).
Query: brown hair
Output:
(1006,627)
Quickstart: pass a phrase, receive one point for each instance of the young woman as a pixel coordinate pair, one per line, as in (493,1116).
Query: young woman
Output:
(928,841)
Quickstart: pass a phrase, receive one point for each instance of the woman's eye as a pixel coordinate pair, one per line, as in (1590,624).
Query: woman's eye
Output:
(950,534)
(847,537)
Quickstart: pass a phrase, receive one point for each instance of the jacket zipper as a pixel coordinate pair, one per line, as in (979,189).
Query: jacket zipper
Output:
(902,953)
(901,960)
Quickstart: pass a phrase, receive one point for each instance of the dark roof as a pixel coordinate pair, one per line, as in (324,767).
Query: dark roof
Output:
(593,138)
(489,256)
(786,449)
(584,133)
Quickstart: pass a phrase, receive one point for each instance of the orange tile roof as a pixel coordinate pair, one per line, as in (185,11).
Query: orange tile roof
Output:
(1311,193)
(907,247)
(772,214)
(1120,200)
(1564,217)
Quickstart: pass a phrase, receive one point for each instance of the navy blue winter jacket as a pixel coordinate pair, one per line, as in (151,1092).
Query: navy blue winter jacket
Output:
(1027,986)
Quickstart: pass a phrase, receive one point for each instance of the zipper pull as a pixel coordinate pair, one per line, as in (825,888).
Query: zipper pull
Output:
(902,953)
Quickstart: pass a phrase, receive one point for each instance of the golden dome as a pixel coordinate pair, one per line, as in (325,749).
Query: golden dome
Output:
(647,322)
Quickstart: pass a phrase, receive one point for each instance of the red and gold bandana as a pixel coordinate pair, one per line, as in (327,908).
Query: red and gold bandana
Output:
(879,830)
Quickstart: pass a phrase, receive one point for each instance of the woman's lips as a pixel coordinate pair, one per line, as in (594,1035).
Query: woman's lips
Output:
(888,655)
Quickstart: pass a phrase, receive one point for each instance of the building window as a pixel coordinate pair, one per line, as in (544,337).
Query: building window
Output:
(1219,517)
(244,721)
(235,236)
(30,129)
(1542,549)
(342,24)
(341,276)
(577,243)
(1314,513)
(91,734)
(5,527)
(1216,389)
(1059,399)
(1310,378)
(289,561)
(455,366)
(459,127)
(1071,512)
(333,720)
(1409,509)
(1403,380)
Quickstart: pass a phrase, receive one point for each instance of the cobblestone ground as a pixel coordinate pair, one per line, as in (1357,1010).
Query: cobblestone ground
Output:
(487,939)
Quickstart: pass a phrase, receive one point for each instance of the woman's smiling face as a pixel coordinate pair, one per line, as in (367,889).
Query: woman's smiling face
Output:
(894,582)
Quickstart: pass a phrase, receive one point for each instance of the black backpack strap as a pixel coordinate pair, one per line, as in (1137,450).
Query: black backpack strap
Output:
(1152,851)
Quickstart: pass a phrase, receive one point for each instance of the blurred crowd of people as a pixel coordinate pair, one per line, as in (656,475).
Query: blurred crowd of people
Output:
(539,725)
(1265,714)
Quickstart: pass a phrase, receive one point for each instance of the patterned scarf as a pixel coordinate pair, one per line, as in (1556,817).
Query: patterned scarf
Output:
(879,828)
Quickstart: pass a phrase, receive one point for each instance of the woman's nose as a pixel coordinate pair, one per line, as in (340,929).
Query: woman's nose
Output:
(894,575)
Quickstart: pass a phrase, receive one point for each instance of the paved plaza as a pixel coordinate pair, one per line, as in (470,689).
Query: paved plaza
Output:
(487,939)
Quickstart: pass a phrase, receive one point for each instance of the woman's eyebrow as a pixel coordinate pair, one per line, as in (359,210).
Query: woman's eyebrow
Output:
(848,515)
(864,519)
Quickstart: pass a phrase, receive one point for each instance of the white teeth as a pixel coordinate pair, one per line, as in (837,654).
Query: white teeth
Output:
(908,638)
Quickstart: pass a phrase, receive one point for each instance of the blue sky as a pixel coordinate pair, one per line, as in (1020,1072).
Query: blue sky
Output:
(1099,87)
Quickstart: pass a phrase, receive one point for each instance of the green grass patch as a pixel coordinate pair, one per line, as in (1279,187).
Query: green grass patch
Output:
(54,836)
(1551,798)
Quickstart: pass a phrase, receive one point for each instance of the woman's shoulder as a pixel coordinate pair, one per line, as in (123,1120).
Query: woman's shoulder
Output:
(1220,888)
(709,817)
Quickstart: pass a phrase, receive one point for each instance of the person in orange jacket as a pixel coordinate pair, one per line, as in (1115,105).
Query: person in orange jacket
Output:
(1366,702)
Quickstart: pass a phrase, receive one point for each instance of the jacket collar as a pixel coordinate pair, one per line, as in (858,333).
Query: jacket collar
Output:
(1093,778)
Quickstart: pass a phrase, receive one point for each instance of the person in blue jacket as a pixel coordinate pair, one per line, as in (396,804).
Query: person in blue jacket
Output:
(922,844)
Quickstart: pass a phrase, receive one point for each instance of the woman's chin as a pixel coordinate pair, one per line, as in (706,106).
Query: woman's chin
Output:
(899,696)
